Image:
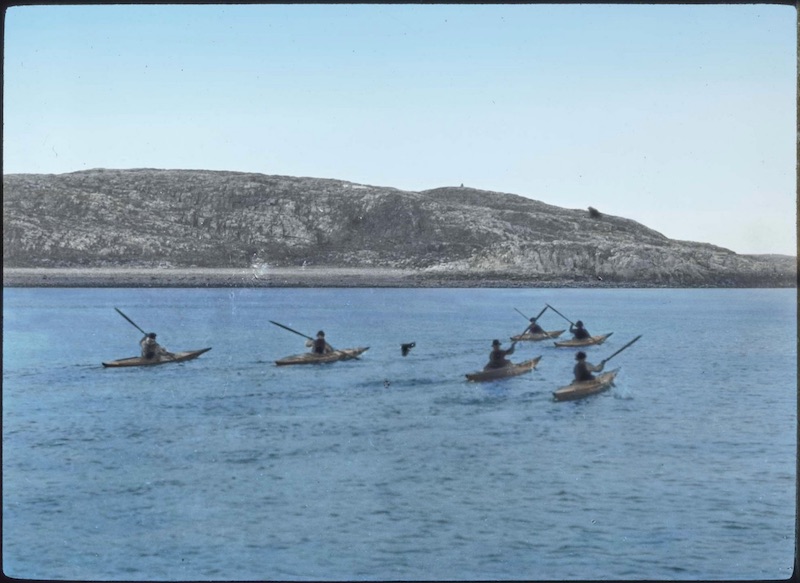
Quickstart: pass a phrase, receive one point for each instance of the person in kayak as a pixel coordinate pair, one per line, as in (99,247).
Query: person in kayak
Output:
(319,345)
(583,370)
(151,348)
(497,357)
(578,331)
(534,328)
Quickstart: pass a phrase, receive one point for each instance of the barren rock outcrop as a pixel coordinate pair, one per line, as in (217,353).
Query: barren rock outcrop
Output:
(183,218)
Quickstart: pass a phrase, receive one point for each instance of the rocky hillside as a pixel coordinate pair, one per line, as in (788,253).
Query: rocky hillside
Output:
(184,218)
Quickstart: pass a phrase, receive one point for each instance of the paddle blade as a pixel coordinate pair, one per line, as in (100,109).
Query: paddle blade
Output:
(560,314)
(623,348)
(290,329)
(131,321)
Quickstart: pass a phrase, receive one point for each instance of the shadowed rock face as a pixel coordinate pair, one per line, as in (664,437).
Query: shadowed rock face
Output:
(183,218)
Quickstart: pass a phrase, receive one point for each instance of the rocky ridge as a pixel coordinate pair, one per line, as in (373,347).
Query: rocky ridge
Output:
(213,219)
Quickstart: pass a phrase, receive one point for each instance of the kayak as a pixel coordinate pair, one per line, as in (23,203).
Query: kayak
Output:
(578,390)
(584,342)
(160,359)
(535,337)
(513,370)
(313,358)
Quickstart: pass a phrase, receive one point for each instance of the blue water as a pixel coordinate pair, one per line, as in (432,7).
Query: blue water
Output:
(228,467)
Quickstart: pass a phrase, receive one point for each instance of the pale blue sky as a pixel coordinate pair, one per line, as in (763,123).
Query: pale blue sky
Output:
(679,117)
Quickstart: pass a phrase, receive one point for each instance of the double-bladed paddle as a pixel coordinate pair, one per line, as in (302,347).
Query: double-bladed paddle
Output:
(299,333)
(291,330)
(605,360)
(131,321)
(560,314)
(165,353)
(539,315)
(523,315)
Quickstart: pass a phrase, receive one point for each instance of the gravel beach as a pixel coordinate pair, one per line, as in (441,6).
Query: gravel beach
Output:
(262,277)
(270,277)
(176,277)
(306,277)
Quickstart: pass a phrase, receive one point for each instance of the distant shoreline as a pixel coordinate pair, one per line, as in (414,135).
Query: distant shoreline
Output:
(200,277)
(263,277)
(282,277)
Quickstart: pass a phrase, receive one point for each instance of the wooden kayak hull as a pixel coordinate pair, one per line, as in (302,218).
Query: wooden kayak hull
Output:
(494,374)
(591,341)
(538,336)
(312,358)
(583,389)
(162,359)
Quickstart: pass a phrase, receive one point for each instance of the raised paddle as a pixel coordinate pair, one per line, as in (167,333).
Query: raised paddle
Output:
(301,334)
(560,314)
(605,360)
(526,317)
(131,321)
(291,330)
(164,352)
(539,315)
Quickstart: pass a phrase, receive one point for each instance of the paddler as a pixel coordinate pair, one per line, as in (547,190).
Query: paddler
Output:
(583,370)
(319,345)
(534,328)
(151,348)
(578,331)
(497,357)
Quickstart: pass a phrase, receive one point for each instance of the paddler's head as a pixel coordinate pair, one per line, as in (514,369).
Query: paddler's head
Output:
(320,334)
(152,335)
(533,320)
(495,343)
(580,356)
(579,324)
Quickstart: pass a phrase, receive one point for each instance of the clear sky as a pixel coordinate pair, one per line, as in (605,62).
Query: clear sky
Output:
(679,117)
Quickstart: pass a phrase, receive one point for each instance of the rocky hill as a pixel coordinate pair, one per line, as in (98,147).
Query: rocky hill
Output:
(184,218)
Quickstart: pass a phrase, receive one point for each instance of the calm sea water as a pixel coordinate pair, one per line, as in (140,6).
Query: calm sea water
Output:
(228,467)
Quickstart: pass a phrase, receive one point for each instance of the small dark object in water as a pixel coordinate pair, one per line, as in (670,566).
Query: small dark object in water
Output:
(406,348)
(594,213)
